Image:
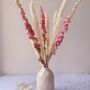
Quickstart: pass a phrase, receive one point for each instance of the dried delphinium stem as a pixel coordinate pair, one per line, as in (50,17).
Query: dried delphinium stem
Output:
(58,21)
(44,32)
(60,36)
(47,35)
(31,33)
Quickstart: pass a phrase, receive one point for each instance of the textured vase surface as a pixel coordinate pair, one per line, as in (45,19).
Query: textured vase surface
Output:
(45,79)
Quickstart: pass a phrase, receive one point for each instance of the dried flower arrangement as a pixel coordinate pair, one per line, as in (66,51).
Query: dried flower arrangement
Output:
(45,46)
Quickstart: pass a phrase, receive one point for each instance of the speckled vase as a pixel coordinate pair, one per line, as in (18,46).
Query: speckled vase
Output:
(45,79)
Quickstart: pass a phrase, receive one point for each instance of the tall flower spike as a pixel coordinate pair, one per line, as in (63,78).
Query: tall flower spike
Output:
(29,29)
(27,25)
(36,25)
(58,21)
(35,21)
(47,34)
(44,31)
(60,36)
(42,22)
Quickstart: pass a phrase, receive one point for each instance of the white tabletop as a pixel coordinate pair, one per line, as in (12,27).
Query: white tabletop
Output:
(62,82)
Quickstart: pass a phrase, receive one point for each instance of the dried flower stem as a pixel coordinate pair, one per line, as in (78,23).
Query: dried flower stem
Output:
(36,26)
(57,22)
(31,33)
(44,32)
(60,36)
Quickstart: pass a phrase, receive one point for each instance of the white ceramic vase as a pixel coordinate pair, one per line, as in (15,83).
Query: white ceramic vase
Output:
(45,79)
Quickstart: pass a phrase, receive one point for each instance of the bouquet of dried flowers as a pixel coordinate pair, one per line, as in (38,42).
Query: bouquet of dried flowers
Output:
(45,46)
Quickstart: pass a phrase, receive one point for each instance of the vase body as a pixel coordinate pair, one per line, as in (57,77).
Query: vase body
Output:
(45,79)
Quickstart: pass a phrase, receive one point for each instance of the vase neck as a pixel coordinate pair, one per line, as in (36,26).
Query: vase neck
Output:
(46,66)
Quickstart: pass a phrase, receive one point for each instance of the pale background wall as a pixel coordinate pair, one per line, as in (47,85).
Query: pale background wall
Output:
(16,53)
